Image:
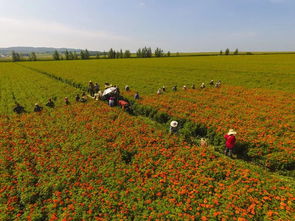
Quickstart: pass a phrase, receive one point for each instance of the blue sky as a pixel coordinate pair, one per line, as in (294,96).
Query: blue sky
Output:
(175,25)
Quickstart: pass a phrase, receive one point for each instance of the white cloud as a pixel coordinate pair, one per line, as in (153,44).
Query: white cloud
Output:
(18,32)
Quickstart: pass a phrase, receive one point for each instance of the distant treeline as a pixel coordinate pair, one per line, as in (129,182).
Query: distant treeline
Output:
(145,52)
(85,54)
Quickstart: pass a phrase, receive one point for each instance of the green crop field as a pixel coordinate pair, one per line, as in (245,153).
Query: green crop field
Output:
(26,87)
(274,72)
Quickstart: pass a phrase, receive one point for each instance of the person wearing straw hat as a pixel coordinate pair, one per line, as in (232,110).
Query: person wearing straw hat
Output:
(37,108)
(211,83)
(203,85)
(159,91)
(173,127)
(230,142)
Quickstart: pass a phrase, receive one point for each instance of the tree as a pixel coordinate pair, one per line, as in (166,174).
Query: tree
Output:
(127,54)
(227,51)
(33,56)
(149,53)
(75,56)
(67,55)
(168,53)
(221,52)
(144,52)
(15,56)
(97,55)
(177,54)
(117,54)
(71,56)
(82,54)
(158,52)
(139,53)
(111,54)
(87,55)
(121,54)
(236,52)
(56,55)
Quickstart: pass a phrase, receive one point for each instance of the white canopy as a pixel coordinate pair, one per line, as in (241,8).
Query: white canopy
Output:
(109,91)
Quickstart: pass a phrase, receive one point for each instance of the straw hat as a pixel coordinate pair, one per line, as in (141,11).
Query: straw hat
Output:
(36,104)
(174,123)
(231,132)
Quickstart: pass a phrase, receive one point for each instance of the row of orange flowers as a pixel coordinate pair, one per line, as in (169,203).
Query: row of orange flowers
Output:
(89,161)
(261,117)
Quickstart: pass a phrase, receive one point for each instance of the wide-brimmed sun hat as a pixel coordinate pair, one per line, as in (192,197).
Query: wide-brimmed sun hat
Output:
(231,132)
(174,123)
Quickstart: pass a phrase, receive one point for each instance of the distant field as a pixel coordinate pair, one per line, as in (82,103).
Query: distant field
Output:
(275,72)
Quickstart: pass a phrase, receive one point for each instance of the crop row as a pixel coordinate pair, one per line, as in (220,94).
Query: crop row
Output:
(88,161)
(264,120)
(27,87)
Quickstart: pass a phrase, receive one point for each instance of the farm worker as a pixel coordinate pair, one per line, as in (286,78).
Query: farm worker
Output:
(127,88)
(38,108)
(193,86)
(174,88)
(123,104)
(18,109)
(159,91)
(184,87)
(106,85)
(218,84)
(230,142)
(112,101)
(91,88)
(173,127)
(211,83)
(83,98)
(136,96)
(98,95)
(96,87)
(50,103)
(202,85)
(203,142)
(77,98)
(67,102)
(118,89)
(163,89)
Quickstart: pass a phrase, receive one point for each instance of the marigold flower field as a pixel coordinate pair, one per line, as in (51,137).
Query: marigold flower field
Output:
(93,162)
(265,119)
